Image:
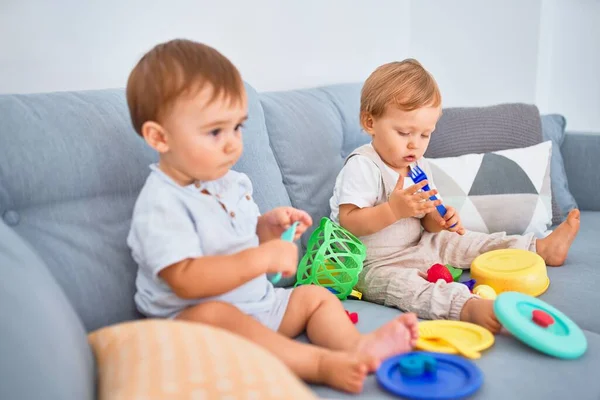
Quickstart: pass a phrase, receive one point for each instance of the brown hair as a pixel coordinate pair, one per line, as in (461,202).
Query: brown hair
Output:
(406,84)
(173,69)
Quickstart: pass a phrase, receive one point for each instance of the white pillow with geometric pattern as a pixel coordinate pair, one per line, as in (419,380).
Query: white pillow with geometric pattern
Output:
(503,191)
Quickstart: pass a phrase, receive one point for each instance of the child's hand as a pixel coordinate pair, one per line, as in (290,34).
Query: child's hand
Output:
(410,202)
(451,218)
(279,219)
(279,256)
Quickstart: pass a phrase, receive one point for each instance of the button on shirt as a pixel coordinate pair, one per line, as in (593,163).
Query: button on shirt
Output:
(172,223)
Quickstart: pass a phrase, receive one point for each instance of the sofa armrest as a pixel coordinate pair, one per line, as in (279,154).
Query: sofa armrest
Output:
(580,152)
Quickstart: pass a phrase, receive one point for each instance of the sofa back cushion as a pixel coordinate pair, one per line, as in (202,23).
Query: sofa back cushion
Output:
(466,130)
(71,168)
(311,133)
(44,352)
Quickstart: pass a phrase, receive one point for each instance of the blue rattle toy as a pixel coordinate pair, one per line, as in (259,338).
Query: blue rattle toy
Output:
(418,175)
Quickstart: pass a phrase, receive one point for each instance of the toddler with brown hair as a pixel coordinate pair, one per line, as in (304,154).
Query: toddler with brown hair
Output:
(203,248)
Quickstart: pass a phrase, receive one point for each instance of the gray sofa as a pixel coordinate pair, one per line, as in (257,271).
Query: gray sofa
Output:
(70,170)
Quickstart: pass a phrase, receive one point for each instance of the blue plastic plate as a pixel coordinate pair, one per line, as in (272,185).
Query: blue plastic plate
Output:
(408,375)
(562,339)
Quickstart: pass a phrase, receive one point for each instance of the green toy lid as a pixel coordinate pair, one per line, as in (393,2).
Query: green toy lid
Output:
(539,325)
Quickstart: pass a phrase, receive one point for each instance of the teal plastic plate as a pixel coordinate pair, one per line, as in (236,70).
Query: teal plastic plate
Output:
(539,325)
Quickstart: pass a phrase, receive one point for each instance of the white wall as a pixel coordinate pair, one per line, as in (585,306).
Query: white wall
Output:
(74,44)
(481,52)
(569,62)
(538,51)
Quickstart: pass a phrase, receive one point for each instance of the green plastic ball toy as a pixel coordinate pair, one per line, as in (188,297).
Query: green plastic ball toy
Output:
(333,259)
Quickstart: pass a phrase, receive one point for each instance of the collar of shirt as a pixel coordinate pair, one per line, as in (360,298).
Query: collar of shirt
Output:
(213,187)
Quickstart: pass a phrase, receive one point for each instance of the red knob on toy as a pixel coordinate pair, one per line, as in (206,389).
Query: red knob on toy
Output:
(439,271)
(542,318)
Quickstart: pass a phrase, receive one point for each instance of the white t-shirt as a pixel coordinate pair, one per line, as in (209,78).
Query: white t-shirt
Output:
(359,183)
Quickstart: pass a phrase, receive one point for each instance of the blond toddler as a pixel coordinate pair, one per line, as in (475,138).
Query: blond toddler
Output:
(404,234)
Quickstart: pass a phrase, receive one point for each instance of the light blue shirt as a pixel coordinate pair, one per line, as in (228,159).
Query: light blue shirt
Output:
(172,223)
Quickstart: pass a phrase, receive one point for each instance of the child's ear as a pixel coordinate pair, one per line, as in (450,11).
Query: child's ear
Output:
(366,120)
(155,136)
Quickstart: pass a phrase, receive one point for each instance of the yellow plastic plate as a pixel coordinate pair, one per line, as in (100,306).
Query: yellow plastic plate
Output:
(476,337)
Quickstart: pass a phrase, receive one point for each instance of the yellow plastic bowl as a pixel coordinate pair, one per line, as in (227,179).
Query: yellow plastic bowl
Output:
(511,270)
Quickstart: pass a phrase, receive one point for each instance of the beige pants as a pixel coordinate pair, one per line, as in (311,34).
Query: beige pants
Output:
(395,282)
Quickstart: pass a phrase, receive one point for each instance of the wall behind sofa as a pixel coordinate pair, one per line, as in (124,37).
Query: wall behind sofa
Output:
(539,51)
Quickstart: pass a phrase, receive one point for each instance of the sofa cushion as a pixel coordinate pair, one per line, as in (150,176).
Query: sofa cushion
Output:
(580,153)
(165,359)
(258,161)
(511,369)
(502,191)
(311,132)
(466,130)
(80,165)
(553,128)
(40,330)
(574,287)
(71,167)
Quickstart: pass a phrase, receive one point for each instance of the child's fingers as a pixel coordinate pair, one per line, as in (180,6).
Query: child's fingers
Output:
(451,217)
(452,224)
(300,231)
(438,218)
(427,195)
(304,221)
(425,207)
(303,218)
(284,218)
(429,205)
(450,214)
(415,188)
(399,183)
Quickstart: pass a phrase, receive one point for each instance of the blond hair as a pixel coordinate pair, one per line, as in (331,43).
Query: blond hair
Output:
(404,84)
(177,68)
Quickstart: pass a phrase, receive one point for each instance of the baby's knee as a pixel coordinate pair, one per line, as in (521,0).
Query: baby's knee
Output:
(313,294)
(211,312)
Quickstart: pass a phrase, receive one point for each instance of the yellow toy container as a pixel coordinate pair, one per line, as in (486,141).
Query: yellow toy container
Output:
(511,270)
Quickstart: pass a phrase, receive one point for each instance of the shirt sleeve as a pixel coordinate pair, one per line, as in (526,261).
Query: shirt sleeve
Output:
(360,182)
(162,234)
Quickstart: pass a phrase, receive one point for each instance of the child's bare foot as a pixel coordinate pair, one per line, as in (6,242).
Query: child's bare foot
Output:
(344,371)
(555,247)
(481,312)
(395,337)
